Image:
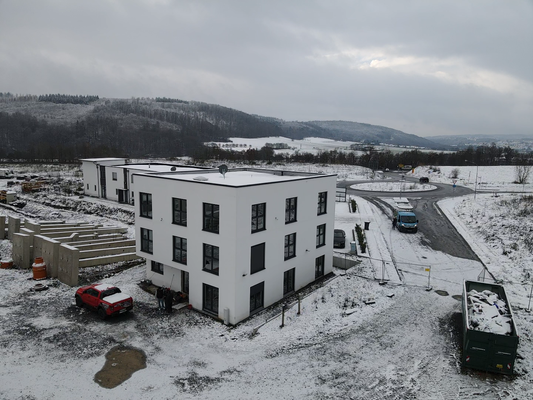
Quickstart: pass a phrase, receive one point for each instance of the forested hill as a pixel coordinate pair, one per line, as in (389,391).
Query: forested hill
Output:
(68,127)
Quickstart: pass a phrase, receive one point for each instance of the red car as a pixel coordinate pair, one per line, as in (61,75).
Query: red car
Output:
(105,299)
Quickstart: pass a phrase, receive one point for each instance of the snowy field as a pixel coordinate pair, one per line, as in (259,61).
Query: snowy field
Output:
(406,345)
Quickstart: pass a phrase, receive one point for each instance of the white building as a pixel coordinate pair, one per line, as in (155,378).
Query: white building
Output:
(238,242)
(111,178)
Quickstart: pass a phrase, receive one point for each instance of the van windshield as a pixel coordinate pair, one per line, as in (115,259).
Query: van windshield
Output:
(409,219)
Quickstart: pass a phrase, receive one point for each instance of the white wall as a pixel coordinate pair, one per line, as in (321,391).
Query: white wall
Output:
(235,239)
(90,178)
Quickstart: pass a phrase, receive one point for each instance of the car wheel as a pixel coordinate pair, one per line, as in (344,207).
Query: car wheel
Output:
(79,301)
(101,313)
(415,230)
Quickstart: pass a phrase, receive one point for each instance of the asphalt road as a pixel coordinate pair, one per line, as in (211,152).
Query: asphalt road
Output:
(437,231)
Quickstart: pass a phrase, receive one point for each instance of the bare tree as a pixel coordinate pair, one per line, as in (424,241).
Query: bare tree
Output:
(454,174)
(522,173)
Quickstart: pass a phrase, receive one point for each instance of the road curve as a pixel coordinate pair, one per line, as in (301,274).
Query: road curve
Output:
(437,232)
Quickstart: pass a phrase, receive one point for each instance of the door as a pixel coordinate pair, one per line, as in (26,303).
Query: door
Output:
(185,282)
(102,182)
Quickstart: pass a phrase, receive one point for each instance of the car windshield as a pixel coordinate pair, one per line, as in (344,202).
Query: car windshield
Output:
(110,292)
(410,219)
(339,234)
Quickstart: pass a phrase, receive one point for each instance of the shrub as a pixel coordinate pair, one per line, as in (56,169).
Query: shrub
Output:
(360,238)
(354,205)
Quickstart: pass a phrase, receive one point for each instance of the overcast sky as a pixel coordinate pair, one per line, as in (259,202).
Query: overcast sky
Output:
(424,67)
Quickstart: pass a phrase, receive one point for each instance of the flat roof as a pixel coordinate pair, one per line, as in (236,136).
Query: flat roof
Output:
(155,168)
(238,177)
(103,159)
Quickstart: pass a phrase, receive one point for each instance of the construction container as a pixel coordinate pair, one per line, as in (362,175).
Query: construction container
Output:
(490,338)
(39,269)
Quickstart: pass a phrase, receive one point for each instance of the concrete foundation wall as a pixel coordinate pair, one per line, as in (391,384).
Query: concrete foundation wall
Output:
(91,262)
(21,250)
(35,227)
(81,240)
(48,249)
(106,245)
(68,265)
(3,232)
(105,252)
(13,226)
(344,263)
(86,231)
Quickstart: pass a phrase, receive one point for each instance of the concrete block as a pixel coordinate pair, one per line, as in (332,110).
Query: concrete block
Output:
(2,227)
(48,249)
(13,226)
(21,251)
(68,265)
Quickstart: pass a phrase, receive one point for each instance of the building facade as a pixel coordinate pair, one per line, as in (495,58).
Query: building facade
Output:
(112,178)
(238,241)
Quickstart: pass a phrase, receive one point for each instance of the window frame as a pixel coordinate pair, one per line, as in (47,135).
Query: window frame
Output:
(114,176)
(147,240)
(179,253)
(257,297)
(212,258)
(322,207)
(182,220)
(320,264)
(259,215)
(211,221)
(320,235)
(145,205)
(157,267)
(259,263)
(213,297)
(289,281)
(290,246)
(291,210)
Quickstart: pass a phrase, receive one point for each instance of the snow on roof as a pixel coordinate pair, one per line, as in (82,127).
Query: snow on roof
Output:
(103,286)
(154,168)
(102,159)
(238,178)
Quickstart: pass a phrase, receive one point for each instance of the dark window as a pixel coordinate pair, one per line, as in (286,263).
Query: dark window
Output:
(257,295)
(258,217)
(210,297)
(146,204)
(87,186)
(147,241)
(180,249)
(319,266)
(290,210)
(93,292)
(320,235)
(211,259)
(114,176)
(157,267)
(288,281)
(322,203)
(211,217)
(179,211)
(257,258)
(290,246)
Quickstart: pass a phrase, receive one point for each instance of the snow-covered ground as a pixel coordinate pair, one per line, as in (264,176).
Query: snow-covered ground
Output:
(406,345)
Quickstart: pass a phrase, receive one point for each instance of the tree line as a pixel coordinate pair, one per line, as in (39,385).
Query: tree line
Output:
(374,159)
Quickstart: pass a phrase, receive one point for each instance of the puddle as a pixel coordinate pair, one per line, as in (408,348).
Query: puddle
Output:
(458,297)
(442,292)
(121,363)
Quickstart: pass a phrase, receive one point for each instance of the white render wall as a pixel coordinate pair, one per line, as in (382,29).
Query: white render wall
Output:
(91,174)
(235,238)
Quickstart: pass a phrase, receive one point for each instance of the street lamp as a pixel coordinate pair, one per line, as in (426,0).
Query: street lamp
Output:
(475,183)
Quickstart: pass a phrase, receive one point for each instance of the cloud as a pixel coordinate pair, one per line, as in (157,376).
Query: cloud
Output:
(424,67)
